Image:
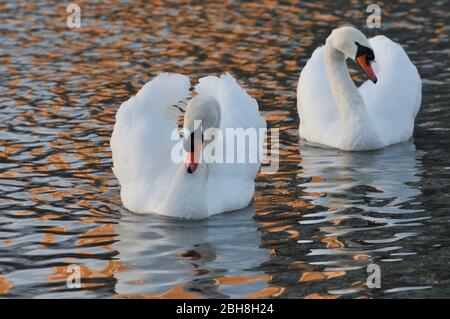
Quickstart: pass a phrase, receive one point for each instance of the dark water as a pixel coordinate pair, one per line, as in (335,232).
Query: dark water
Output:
(314,226)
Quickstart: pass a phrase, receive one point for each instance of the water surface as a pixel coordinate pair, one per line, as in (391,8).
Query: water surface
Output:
(313,227)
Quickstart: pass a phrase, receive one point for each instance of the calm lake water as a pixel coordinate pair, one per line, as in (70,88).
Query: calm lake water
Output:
(313,227)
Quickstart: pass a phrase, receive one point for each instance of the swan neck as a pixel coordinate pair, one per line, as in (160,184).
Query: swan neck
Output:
(357,129)
(345,92)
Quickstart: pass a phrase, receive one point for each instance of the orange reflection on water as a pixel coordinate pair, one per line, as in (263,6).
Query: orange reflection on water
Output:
(8,174)
(49,217)
(237,280)
(25,212)
(50,234)
(176,292)
(58,161)
(98,235)
(332,242)
(361,257)
(5,285)
(315,275)
(61,273)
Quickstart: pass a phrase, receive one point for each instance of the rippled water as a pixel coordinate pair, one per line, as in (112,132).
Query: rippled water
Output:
(313,227)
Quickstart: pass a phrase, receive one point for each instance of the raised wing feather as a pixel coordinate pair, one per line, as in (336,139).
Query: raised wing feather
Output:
(231,185)
(141,142)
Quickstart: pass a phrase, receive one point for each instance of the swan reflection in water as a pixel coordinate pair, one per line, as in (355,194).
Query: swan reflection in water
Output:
(362,180)
(173,258)
(366,210)
(370,211)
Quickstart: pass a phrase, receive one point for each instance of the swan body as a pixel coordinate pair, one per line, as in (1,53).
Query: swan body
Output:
(142,147)
(334,112)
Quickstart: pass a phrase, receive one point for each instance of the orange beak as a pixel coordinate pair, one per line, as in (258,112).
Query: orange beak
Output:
(366,67)
(192,158)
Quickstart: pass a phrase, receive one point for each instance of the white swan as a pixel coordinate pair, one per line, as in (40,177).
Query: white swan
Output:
(142,144)
(333,112)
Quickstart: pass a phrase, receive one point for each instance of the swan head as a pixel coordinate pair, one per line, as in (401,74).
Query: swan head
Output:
(354,45)
(202,113)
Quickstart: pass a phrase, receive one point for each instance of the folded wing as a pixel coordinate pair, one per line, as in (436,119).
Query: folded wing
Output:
(394,101)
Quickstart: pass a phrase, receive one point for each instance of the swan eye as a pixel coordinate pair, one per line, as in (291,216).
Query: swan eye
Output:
(363,50)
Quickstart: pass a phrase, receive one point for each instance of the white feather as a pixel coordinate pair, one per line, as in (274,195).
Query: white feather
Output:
(392,103)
